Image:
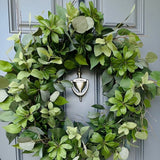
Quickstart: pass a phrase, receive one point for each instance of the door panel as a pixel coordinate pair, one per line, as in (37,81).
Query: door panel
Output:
(114,12)
(76,110)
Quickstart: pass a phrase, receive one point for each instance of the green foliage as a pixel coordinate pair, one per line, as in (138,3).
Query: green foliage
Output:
(32,91)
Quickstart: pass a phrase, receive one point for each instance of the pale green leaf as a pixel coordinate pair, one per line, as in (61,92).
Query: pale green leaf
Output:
(100,41)
(6,104)
(141,135)
(7,116)
(55,37)
(80,24)
(12,128)
(118,95)
(66,146)
(97,50)
(54,96)
(43,53)
(34,108)
(23,74)
(106,50)
(124,153)
(128,95)
(37,74)
(28,146)
(90,23)
(131,125)
(138,96)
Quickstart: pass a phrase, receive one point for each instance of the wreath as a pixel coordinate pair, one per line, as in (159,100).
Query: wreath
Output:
(32,98)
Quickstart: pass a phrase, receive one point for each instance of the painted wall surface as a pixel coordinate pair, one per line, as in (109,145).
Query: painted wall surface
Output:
(150,38)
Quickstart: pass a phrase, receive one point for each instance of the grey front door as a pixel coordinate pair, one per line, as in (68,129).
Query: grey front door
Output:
(144,21)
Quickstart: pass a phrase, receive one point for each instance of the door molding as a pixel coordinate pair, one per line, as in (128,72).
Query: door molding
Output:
(137,25)
(16,23)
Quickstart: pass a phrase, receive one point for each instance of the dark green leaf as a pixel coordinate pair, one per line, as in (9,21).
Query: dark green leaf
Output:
(69,64)
(59,87)
(147,103)
(66,83)
(155,75)
(36,130)
(60,73)
(98,106)
(106,78)
(11,137)
(93,61)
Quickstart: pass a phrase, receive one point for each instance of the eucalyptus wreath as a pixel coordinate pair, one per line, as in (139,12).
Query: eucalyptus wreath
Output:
(32,90)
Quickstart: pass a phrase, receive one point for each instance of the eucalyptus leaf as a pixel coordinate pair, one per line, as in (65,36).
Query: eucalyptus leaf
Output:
(45,95)
(124,153)
(3,82)
(59,87)
(151,57)
(28,146)
(36,130)
(66,83)
(80,24)
(60,73)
